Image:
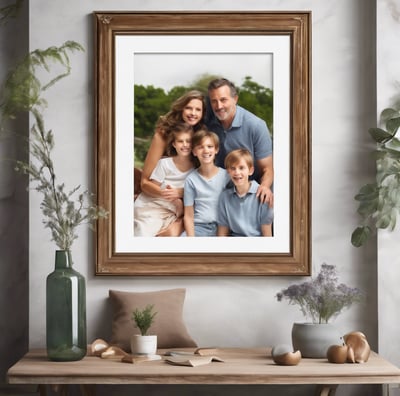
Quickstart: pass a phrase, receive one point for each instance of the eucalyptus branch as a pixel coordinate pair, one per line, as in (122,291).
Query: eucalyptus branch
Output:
(23,91)
(379,201)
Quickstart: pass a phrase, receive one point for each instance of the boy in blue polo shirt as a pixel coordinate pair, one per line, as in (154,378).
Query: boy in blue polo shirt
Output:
(240,211)
(203,187)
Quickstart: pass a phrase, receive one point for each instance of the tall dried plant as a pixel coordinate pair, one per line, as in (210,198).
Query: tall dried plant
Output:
(64,210)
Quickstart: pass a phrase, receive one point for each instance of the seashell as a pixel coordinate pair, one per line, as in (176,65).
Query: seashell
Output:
(283,355)
(359,349)
(98,346)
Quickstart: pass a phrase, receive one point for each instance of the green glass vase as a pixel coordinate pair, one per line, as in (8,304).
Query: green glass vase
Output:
(65,311)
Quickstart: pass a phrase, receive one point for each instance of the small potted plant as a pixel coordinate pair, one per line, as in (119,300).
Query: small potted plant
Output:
(320,299)
(143,344)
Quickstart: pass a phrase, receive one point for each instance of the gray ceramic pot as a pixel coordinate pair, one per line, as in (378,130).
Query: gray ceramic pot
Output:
(313,339)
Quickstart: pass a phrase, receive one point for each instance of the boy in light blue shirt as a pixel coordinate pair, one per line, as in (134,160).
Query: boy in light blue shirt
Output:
(240,211)
(203,187)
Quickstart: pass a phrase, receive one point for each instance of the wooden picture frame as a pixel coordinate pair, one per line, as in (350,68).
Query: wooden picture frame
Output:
(202,256)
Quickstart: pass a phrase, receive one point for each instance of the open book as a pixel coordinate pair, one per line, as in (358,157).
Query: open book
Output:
(192,361)
(198,352)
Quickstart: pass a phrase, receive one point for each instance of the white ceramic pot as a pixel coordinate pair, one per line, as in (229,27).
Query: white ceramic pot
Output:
(313,340)
(143,345)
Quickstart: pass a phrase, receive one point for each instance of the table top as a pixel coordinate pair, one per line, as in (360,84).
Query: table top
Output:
(240,366)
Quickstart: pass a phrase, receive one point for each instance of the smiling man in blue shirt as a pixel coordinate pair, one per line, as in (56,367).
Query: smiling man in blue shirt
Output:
(238,128)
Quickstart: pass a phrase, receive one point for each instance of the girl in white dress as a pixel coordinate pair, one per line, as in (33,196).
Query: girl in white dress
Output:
(152,216)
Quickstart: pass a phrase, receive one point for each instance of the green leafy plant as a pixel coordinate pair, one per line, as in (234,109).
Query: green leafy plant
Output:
(379,202)
(144,318)
(23,91)
(321,298)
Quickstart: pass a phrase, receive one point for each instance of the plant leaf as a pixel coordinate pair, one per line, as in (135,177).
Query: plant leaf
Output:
(367,192)
(389,113)
(392,125)
(380,135)
(384,221)
(360,236)
(367,207)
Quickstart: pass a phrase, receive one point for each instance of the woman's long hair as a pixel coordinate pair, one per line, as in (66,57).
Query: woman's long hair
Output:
(168,121)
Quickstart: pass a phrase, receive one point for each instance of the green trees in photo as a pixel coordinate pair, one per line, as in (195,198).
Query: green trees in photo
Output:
(151,102)
(257,99)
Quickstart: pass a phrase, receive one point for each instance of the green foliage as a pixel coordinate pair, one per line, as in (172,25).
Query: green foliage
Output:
(379,202)
(257,99)
(176,92)
(150,103)
(23,91)
(144,318)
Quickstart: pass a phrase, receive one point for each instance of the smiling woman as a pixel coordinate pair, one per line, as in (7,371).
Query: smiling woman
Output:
(188,108)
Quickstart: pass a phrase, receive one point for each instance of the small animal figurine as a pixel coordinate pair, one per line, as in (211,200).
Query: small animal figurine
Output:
(355,349)
(359,349)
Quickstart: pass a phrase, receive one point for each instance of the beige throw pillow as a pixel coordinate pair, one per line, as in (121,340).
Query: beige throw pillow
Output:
(168,323)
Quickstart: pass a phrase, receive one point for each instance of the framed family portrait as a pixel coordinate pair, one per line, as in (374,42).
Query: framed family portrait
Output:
(143,60)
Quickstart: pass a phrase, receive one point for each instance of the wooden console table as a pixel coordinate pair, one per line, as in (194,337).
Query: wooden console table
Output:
(241,366)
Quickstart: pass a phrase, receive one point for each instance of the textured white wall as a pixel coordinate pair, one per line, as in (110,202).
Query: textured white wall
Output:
(228,311)
(242,307)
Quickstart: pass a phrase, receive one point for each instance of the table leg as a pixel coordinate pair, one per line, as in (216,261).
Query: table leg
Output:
(326,390)
(387,389)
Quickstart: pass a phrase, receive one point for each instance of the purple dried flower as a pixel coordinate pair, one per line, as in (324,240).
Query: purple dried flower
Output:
(321,298)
